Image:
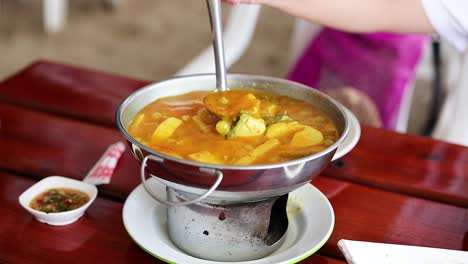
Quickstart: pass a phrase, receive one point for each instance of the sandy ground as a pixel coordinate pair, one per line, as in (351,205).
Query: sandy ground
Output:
(145,39)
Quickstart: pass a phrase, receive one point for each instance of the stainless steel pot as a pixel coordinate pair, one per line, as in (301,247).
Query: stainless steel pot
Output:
(228,183)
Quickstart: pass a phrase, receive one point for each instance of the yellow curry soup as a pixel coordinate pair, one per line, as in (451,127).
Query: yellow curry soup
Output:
(270,128)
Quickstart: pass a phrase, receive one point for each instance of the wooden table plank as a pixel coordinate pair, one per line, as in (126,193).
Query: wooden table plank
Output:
(36,152)
(408,164)
(41,145)
(98,236)
(319,259)
(369,214)
(69,90)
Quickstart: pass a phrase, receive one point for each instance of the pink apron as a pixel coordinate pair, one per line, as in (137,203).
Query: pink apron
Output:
(381,65)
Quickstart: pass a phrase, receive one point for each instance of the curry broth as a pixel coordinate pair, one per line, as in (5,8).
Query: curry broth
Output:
(195,137)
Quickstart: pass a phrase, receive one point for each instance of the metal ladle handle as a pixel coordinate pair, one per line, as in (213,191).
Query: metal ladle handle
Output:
(214,10)
(218,173)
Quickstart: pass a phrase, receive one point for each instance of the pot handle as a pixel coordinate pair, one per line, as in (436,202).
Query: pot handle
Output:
(218,173)
(354,133)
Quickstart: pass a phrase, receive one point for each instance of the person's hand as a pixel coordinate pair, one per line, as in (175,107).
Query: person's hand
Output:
(359,103)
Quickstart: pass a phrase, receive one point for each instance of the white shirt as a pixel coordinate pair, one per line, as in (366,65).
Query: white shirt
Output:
(450,19)
(451,125)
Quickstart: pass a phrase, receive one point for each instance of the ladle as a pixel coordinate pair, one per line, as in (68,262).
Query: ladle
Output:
(214,10)
(214,101)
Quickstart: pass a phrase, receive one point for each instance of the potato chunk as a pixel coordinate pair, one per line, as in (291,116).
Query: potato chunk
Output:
(280,129)
(165,130)
(258,152)
(307,137)
(137,121)
(206,157)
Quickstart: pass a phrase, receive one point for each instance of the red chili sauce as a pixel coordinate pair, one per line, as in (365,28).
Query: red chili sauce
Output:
(59,200)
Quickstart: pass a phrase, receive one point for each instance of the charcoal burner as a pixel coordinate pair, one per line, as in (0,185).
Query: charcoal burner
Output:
(223,231)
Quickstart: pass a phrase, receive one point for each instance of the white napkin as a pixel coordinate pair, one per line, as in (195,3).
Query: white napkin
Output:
(360,252)
(103,169)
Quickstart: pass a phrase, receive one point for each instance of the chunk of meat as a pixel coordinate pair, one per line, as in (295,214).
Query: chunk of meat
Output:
(247,126)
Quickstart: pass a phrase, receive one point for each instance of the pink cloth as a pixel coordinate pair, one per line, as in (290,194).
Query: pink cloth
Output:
(379,64)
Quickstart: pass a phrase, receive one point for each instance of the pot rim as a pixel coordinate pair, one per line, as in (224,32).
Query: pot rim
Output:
(234,76)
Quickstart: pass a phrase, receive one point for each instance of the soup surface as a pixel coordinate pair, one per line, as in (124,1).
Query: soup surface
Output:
(242,127)
(59,200)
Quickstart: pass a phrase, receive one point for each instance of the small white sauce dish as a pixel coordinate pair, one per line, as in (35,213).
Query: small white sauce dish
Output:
(61,218)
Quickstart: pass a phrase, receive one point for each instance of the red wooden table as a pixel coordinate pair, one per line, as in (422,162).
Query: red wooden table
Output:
(58,119)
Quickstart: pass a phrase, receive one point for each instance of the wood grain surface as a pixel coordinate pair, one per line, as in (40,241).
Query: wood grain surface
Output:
(58,119)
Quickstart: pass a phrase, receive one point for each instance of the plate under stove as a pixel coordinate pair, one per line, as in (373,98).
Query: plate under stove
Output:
(311,222)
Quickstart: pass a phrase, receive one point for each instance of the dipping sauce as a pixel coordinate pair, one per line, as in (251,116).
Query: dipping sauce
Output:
(59,200)
(251,127)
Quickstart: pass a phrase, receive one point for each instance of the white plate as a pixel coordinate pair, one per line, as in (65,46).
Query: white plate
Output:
(353,135)
(311,221)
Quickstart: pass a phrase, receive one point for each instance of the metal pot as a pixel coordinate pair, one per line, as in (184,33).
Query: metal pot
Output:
(228,183)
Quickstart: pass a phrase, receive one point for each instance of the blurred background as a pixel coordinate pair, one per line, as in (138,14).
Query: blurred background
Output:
(146,39)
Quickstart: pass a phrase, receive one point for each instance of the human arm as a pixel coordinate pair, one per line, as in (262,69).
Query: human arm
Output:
(403,16)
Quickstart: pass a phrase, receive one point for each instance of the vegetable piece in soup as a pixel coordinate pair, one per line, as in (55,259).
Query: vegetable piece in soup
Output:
(59,200)
(272,128)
